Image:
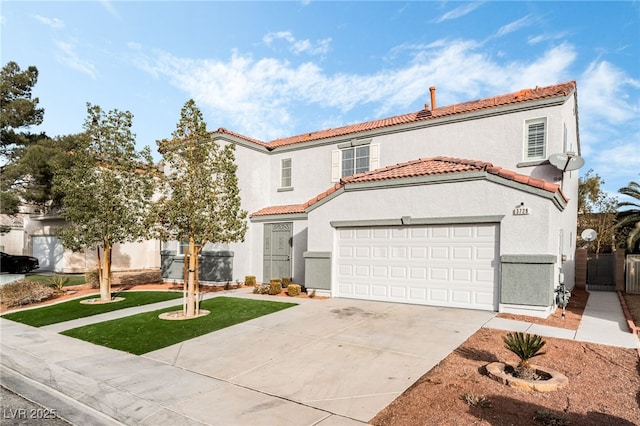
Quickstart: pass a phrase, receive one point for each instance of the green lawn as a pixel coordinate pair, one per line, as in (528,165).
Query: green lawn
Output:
(142,333)
(73,309)
(74,279)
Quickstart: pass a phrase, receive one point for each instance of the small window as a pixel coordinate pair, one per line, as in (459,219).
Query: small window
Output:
(355,160)
(536,139)
(183,248)
(285,173)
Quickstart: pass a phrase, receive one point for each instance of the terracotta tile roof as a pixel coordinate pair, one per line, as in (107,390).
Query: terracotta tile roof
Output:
(525,95)
(415,168)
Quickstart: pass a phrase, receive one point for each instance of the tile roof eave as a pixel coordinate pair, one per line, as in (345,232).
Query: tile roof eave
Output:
(420,172)
(525,97)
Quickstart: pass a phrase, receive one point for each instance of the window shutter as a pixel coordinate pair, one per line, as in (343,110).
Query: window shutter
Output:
(335,165)
(535,140)
(374,156)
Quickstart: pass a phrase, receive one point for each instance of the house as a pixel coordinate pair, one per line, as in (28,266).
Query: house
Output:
(452,205)
(34,234)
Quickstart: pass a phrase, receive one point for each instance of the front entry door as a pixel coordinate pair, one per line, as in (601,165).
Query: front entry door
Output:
(277,250)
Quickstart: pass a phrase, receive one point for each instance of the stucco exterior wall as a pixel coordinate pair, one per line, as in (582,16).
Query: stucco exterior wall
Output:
(519,234)
(13,241)
(498,138)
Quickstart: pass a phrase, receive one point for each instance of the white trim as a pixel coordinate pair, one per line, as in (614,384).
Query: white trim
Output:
(545,134)
(336,158)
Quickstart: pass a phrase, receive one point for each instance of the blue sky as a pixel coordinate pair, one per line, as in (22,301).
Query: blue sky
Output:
(276,69)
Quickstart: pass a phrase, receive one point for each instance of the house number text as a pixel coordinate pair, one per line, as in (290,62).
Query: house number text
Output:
(521,211)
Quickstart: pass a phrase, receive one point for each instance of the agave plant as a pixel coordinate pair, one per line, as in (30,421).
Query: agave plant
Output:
(525,346)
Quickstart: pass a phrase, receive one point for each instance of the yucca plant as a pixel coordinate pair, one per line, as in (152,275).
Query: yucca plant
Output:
(525,346)
(58,282)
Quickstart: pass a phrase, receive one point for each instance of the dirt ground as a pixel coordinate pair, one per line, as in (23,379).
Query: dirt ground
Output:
(603,389)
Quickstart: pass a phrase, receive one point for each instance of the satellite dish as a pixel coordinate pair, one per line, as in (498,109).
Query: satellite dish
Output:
(566,162)
(589,235)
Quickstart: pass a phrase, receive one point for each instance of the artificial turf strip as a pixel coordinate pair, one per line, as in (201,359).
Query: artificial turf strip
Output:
(73,309)
(145,332)
(73,279)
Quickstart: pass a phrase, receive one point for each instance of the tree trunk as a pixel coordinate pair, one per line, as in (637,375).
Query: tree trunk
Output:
(105,281)
(191,284)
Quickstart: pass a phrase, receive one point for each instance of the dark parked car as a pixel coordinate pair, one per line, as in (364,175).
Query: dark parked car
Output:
(17,264)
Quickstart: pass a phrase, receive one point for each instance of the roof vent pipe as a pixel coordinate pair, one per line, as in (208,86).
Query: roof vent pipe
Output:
(432,89)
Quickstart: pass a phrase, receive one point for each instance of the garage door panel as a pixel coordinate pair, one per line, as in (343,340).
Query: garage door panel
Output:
(461,297)
(439,253)
(418,273)
(439,296)
(444,265)
(398,292)
(461,275)
(463,253)
(439,233)
(378,291)
(439,274)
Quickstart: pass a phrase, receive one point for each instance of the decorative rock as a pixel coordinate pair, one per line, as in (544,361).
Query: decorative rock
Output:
(98,301)
(179,315)
(496,370)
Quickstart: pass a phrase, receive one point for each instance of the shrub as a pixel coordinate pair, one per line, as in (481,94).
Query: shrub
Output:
(525,346)
(474,400)
(261,289)
(24,292)
(144,277)
(293,290)
(92,278)
(250,280)
(286,281)
(549,418)
(275,287)
(57,282)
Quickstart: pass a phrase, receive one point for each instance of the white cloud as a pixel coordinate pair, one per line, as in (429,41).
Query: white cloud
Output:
(514,26)
(320,47)
(263,98)
(459,12)
(533,40)
(620,162)
(54,23)
(603,93)
(69,57)
(109,7)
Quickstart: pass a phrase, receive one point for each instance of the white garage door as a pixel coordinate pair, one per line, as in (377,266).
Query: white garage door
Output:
(49,252)
(441,265)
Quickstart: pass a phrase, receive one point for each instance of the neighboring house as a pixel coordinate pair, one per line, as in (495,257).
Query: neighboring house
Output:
(448,206)
(12,241)
(39,240)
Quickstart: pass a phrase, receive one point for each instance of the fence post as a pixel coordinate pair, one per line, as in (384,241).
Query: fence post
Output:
(618,272)
(581,269)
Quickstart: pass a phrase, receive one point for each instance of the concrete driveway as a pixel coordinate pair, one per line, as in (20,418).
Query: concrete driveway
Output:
(324,362)
(346,357)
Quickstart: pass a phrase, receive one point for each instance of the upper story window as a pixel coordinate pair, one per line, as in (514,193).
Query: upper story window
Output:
(536,139)
(353,158)
(285,173)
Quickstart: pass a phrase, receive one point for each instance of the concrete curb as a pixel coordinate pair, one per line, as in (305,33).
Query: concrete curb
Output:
(627,315)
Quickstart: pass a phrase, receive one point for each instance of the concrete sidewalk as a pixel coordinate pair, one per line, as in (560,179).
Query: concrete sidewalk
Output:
(603,322)
(322,363)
